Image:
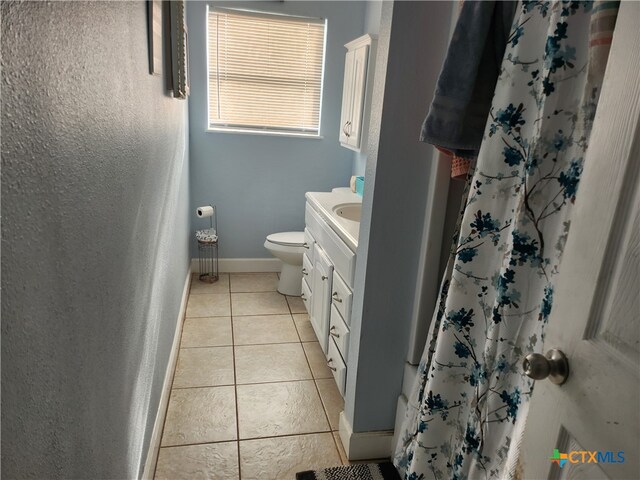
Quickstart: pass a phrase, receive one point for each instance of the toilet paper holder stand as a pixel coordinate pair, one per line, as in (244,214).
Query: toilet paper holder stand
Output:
(208,245)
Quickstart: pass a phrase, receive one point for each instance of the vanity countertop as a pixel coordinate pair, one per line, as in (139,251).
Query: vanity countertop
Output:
(325,204)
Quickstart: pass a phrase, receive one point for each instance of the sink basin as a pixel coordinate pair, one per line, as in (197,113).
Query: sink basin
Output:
(340,209)
(349,211)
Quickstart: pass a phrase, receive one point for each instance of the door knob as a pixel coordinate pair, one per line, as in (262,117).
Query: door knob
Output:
(554,366)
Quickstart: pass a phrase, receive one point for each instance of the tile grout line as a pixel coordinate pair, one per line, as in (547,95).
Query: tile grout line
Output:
(324,409)
(247,344)
(235,381)
(227,316)
(242,316)
(291,311)
(228,275)
(251,439)
(265,315)
(252,383)
(244,345)
(286,299)
(297,331)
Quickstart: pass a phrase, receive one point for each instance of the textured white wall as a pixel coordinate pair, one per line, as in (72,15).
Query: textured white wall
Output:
(94,238)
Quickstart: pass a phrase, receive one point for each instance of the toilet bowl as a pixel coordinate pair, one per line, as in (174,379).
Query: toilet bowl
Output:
(288,247)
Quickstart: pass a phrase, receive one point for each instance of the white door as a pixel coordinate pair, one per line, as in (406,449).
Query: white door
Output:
(595,320)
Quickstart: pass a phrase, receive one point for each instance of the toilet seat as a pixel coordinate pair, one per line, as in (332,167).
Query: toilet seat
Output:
(287,239)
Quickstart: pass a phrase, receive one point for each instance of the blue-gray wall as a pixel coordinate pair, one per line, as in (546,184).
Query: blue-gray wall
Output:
(412,43)
(258,182)
(94,238)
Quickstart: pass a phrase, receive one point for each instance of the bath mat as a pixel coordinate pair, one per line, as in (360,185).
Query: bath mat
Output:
(362,471)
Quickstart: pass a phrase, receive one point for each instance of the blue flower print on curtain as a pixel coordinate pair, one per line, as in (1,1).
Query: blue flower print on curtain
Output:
(469,405)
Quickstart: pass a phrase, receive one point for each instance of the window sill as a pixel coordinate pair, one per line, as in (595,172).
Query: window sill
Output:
(310,136)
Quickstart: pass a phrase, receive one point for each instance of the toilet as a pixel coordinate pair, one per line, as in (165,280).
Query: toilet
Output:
(288,247)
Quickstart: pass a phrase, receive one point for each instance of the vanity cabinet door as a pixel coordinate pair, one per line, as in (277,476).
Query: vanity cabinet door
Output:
(321,298)
(347,97)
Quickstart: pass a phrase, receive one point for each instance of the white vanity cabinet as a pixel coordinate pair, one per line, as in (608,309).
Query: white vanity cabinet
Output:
(327,285)
(356,92)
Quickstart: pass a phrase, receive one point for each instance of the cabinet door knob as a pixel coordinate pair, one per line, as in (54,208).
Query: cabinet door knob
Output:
(329,362)
(332,333)
(324,277)
(305,245)
(344,128)
(336,298)
(304,271)
(302,296)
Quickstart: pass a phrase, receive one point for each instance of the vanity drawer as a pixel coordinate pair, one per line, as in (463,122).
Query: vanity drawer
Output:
(340,332)
(309,241)
(337,366)
(312,221)
(306,295)
(341,296)
(307,268)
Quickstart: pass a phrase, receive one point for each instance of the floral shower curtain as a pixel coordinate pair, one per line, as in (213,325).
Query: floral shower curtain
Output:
(469,405)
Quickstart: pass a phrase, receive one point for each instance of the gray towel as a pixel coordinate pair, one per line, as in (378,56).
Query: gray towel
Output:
(464,91)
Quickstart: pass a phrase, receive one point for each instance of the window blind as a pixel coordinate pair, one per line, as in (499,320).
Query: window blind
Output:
(265,71)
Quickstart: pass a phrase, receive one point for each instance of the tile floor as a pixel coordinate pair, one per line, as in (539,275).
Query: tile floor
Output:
(252,397)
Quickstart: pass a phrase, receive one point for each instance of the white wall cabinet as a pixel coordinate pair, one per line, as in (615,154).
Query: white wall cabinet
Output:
(356,92)
(327,283)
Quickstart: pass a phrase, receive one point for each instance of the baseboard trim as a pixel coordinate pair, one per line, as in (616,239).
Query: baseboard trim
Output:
(364,445)
(240,265)
(401,412)
(154,445)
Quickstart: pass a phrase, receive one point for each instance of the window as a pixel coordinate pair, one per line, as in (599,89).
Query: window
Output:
(265,72)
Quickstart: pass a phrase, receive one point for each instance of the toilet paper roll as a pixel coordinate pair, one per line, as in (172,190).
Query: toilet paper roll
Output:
(205,211)
(352,184)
